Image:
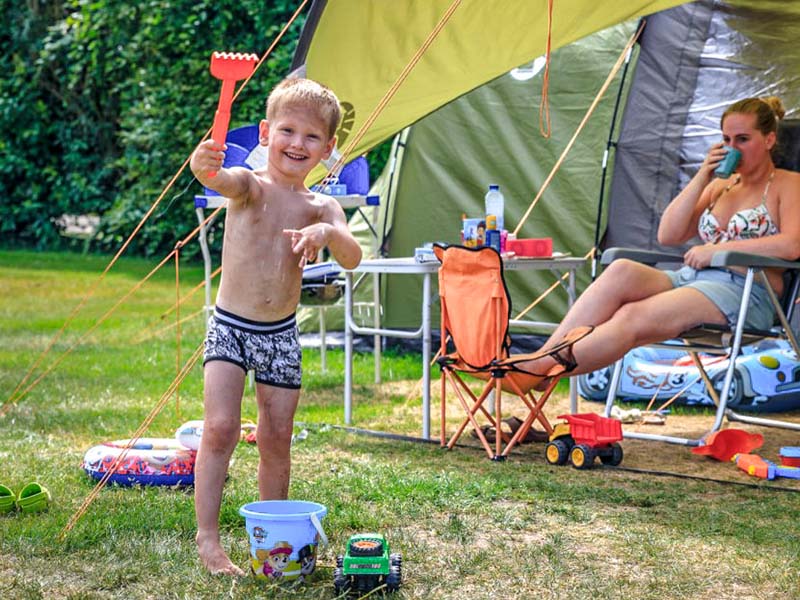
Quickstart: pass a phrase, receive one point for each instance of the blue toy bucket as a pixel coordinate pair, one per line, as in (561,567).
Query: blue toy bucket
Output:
(284,535)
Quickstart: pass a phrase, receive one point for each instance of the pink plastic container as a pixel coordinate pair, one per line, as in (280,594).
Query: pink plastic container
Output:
(531,247)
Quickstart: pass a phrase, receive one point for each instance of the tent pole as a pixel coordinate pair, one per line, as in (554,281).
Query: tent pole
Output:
(399,147)
(610,143)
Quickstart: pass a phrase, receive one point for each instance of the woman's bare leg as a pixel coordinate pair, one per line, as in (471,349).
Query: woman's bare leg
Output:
(622,282)
(654,319)
(659,317)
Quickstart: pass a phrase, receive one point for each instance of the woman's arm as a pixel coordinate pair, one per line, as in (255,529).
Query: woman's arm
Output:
(679,221)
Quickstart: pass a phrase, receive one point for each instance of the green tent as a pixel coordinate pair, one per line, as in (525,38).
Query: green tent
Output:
(491,135)
(467,123)
(361,49)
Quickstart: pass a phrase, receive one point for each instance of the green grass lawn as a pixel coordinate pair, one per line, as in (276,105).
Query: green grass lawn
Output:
(466,526)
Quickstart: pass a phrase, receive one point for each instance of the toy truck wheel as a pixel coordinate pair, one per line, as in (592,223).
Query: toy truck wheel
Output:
(581,456)
(393,579)
(341,583)
(395,559)
(366,583)
(366,548)
(339,561)
(556,452)
(613,457)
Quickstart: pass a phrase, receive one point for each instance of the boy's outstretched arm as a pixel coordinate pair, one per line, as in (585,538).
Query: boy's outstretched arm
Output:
(207,159)
(344,247)
(332,232)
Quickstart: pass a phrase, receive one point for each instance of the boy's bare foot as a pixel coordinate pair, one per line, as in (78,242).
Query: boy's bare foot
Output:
(214,558)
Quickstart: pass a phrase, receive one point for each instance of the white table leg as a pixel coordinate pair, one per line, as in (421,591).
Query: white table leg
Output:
(376,322)
(348,348)
(323,345)
(573,383)
(426,355)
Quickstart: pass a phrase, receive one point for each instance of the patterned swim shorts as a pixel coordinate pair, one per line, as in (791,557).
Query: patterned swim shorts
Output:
(271,350)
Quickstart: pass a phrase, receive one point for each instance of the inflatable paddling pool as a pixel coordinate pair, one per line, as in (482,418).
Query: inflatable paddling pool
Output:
(150,461)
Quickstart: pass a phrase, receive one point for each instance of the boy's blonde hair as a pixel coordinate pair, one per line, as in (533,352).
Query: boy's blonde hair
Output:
(305,93)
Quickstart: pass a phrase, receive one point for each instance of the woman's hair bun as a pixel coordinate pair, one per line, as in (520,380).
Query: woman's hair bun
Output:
(776,105)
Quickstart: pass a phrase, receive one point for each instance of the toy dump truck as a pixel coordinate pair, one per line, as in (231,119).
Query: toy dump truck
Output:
(367,565)
(583,438)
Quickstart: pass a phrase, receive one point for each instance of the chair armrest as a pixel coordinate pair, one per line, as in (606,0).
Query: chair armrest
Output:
(723,258)
(647,257)
(730,258)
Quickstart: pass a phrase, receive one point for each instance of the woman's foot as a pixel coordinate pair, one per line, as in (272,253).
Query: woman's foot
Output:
(214,558)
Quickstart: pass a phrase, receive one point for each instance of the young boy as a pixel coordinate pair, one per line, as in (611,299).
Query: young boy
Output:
(274,224)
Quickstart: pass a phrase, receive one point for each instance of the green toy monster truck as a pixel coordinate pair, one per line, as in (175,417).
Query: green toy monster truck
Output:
(367,565)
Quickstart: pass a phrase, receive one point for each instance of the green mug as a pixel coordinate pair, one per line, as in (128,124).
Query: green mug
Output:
(729,163)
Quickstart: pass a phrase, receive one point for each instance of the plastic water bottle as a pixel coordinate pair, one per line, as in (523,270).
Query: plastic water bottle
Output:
(494,205)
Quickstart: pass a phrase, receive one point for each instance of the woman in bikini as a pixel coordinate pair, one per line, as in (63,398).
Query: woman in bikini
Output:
(756,210)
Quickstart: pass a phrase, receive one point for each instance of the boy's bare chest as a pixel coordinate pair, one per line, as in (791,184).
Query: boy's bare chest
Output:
(261,276)
(268,219)
(255,242)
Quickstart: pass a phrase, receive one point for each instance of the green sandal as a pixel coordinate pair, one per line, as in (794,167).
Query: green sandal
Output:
(33,498)
(7,500)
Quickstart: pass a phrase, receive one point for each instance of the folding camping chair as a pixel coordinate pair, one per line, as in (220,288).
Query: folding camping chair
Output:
(476,309)
(722,339)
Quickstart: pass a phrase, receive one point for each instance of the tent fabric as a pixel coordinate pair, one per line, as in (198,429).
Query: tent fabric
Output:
(695,60)
(360,48)
(491,135)
(645,169)
(469,124)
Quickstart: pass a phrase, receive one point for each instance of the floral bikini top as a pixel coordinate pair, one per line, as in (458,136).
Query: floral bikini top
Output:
(746,224)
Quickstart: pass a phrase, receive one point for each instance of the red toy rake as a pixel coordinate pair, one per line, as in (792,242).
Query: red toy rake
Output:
(229,67)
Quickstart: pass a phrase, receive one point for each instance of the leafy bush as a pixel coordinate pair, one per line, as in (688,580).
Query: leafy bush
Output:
(103,101)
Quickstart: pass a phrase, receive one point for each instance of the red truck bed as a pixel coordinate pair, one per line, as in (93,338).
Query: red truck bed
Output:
(593,430)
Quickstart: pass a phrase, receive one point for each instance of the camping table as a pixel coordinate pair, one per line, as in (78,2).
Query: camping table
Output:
(409,266)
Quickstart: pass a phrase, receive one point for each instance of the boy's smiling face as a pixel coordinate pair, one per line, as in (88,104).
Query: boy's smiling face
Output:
(298,140)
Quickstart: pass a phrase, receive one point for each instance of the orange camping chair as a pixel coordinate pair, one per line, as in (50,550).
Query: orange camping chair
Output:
(476,309)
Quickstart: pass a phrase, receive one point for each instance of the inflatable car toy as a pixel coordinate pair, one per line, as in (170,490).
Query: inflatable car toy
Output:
(766,379)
